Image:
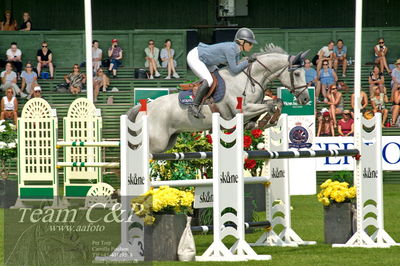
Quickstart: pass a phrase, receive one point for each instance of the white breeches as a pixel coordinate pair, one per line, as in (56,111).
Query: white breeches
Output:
(198,67)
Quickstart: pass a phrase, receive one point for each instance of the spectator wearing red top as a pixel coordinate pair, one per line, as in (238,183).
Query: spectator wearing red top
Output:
(346,125)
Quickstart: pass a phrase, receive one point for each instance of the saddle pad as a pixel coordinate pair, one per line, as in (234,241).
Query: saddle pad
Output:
(186,97)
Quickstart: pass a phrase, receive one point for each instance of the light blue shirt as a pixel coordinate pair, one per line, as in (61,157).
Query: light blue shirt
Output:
(340,53)
(29,78)
(311,74)
(396,75)
(226,53)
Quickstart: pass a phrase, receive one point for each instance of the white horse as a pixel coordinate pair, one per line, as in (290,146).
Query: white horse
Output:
(167,117)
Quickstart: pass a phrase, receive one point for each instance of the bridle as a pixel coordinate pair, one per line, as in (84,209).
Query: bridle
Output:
(293,89)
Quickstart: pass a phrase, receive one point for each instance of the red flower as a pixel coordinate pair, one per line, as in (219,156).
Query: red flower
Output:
(197,138)
(249,164)
(256,133)
(209,138)
(247,141)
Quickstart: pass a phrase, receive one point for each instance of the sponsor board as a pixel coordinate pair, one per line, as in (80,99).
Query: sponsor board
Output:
(149,93)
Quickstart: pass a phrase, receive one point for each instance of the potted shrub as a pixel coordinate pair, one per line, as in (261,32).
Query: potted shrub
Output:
(164,212)
(337,196)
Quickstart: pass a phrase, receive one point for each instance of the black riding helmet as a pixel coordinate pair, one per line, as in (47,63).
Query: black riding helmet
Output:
(245,34)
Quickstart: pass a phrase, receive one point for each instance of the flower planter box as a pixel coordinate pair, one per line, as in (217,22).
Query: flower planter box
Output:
(161,239)
(8,193)
(337,223)
(256,192)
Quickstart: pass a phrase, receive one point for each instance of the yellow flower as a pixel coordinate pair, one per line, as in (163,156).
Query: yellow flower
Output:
(328,192)
(325,201)
(149,220)
(326,183)
(352,192)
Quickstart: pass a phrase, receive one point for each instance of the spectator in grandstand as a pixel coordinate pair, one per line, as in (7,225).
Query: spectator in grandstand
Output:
(45,59)
(26,25)
(327,77)
(14,56)
(335,101)
(364,102)
(151,62)
(380,55)
(8,23)
(311,74)
(395,79)
(395,108)
(376,78)
(9,79)
(100,81)
(378,102)
(268,95)
(97,54)
(346,125)
(326,54)
(75,80)
(29,79)
(37,92)
(340,54)
(9,106)
(167,59)
(115,55)
(325,126)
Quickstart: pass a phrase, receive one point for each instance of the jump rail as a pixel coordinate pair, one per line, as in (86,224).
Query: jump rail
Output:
(257,154)
(61,144)
(207,228)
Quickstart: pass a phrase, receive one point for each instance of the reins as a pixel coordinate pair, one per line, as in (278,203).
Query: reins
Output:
(254,82)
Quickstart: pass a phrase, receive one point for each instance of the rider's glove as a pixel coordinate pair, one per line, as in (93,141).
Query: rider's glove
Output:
(252,58)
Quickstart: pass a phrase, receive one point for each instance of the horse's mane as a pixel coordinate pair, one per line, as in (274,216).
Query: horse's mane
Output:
(271,48)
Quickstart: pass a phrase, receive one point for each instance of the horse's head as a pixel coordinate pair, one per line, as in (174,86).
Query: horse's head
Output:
(293,77)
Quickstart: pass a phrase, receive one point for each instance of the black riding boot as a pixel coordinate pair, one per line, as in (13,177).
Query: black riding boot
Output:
(195,108)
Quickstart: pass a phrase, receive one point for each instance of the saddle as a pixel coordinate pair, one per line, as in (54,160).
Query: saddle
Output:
(215,94)
(195,85)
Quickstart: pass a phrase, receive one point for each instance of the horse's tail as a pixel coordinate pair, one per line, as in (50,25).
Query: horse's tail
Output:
(133,112)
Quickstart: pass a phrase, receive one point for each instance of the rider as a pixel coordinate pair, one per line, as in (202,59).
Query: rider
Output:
(204,59)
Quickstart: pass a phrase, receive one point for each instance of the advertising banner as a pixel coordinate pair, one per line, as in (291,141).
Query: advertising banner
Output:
(149,93)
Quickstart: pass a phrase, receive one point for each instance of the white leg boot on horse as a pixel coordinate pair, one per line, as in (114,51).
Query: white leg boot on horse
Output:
(195,108)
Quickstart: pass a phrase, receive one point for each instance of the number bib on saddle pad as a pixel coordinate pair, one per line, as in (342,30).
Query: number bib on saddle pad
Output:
(186,96)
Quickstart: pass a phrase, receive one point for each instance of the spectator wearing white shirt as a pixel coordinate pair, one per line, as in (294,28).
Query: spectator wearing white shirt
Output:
(29,79)
(9,106)
(97,54)
(326,53)
(14,56)
(167,59)
(9,80)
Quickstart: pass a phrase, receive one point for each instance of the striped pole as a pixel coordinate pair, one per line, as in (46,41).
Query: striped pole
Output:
(87,144)
(204,182)
(300,154)
(206,228)
(181,156)
(87,164)
(258,154)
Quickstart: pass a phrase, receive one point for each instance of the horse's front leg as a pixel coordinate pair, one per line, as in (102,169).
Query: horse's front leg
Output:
(262,115)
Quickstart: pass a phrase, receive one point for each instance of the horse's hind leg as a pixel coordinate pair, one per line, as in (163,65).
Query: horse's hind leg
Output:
(161,143)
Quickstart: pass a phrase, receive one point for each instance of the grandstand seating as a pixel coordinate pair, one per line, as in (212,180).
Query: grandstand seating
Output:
(68,47)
